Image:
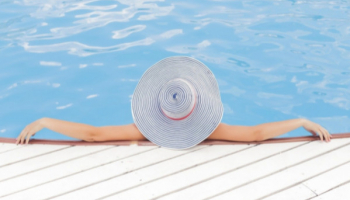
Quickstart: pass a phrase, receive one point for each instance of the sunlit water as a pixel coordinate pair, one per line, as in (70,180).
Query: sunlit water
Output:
(81,60)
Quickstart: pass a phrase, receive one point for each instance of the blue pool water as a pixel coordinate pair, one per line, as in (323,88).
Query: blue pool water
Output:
(81,60)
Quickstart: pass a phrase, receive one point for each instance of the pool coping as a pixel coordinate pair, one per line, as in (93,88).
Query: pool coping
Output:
(148,143)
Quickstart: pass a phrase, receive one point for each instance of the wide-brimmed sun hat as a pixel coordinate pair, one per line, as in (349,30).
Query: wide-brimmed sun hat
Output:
(176,103)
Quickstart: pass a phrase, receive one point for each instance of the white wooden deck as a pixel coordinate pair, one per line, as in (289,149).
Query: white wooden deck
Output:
(298,170)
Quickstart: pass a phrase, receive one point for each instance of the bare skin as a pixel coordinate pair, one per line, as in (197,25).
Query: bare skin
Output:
(130,131)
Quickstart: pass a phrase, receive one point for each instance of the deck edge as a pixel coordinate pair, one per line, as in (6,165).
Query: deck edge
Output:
(148,143)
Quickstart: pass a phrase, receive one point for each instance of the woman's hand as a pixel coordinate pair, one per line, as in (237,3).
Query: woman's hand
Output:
(29,131)
(316,128)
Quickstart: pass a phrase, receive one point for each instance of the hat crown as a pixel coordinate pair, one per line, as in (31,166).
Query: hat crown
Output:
(177,99)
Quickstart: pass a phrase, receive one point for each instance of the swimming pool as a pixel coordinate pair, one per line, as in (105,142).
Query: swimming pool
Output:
(81,60)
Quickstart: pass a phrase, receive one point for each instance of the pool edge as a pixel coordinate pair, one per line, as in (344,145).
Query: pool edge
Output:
(148,143)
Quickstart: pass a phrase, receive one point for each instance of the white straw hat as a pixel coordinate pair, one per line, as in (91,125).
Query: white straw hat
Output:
(177,103)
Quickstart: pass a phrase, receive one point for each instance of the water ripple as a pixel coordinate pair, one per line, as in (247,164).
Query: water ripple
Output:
(127,31)
(79,49)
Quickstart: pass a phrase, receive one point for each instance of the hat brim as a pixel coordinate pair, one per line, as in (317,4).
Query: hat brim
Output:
(166,132)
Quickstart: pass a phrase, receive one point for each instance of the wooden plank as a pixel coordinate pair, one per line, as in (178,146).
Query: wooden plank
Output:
(292,175)
(104,170)
(31,180)
(47,160)
(239,177)
(151,173)
(330,179)
(319,184)
(203,172)
(297,192)
(27,152)
(341,192)
(4,147)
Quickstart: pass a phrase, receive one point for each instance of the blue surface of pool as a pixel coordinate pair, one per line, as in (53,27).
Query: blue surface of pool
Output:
(81,60)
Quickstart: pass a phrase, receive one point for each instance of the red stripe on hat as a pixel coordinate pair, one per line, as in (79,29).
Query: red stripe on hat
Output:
(194,105)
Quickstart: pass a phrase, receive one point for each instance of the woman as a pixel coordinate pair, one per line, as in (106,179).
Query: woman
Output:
(130,132)
(175,92)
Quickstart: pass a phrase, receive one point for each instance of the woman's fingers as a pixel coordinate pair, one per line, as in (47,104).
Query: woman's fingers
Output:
(29,131)
(23,137)
(321,135)
(325,134)
(17,139)
(329,135)
(28,137)
(316,128)
(20,135)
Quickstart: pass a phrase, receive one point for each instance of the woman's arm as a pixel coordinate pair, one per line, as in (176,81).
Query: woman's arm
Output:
(130,132)
(81,131)
(267,130)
